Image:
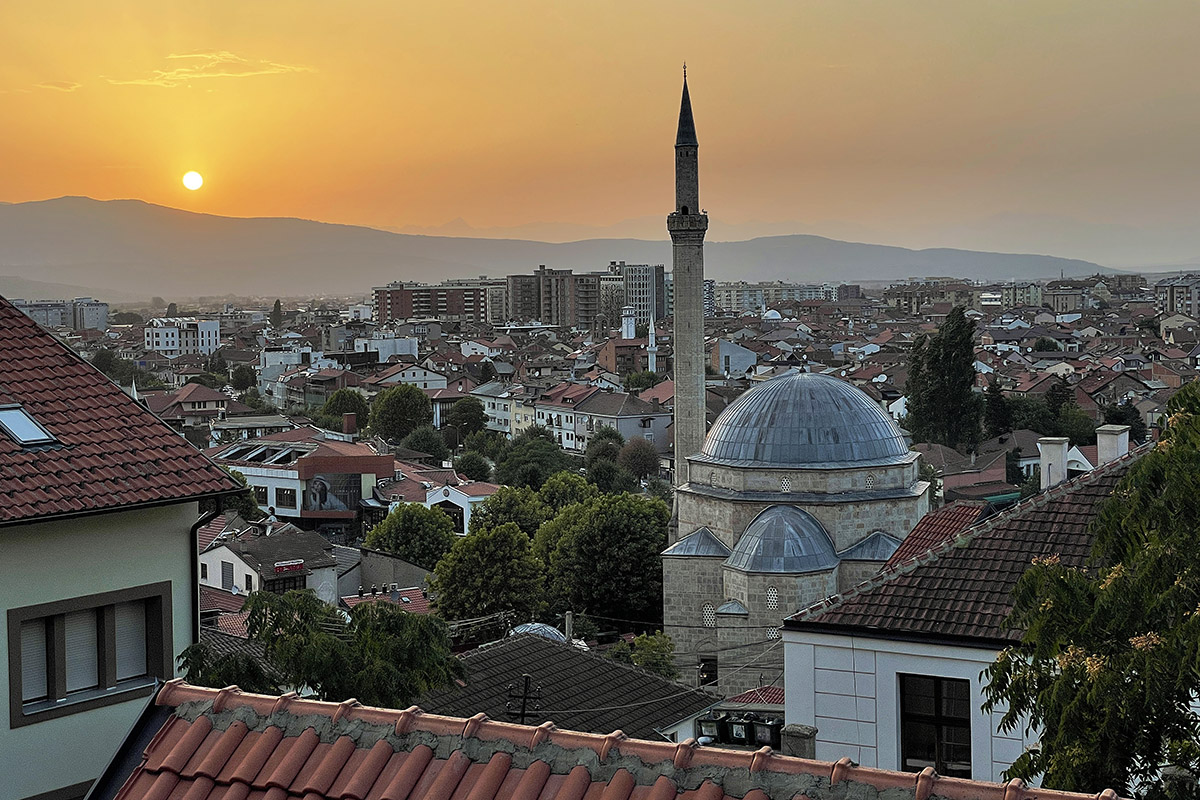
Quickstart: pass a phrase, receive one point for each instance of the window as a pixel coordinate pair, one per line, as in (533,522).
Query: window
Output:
(772,598)
(86,652)
(281,585)
(203,572)
(285,498)
(707,670)
(22,428)
(260,495)
(935,725)
(709,615)
(785,484)
(870,481)
(227,575)
(249,583)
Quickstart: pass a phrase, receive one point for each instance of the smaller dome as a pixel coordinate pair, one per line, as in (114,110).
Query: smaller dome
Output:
(772,314)
(539,629)
(784,539)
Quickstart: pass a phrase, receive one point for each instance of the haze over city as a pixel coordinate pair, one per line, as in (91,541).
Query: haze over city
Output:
(1064,128)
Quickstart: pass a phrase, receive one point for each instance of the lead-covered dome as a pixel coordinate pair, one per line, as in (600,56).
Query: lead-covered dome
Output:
(784,539)
(804,420)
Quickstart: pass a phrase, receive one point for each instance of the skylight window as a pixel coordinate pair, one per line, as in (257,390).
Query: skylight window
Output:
(22,428)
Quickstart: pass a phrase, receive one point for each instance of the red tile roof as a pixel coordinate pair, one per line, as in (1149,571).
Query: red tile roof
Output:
(211,744)
(936,527)
(112,453)
(766,695)
(214,599)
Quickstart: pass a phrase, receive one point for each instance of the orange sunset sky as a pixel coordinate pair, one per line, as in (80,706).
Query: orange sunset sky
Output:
(898,120)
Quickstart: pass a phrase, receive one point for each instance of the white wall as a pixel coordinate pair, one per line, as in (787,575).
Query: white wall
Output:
(54,561)
(847,688)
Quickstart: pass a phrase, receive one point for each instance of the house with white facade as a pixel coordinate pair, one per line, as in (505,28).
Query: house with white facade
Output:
(631,416)
(100,513)
(271,559)
(889,671)
(421,377)
(182,336)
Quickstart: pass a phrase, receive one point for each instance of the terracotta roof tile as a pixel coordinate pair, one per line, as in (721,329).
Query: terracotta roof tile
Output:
(110,452)
(936,527)
(223,744)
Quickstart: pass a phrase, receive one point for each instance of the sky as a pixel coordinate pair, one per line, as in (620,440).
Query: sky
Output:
(1043,126)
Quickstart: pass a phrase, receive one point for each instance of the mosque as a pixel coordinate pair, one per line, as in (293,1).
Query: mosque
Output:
(802,488)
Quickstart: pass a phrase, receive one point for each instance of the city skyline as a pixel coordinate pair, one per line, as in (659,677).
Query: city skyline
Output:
(1062,127)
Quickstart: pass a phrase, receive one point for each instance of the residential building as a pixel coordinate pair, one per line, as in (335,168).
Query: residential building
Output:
(568,299)
(524,298)
(497,399)
(555,409)
(273,559)
(450,301)
(631,416)
(101,502)
(644,288)
(182,336)
(82,313)
(741,296)
(1178,295)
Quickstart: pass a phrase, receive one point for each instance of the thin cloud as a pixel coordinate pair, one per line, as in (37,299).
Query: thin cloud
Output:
(210,64)
(60,86)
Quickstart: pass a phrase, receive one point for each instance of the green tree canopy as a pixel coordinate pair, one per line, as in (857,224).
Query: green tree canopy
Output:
(489,444)
(427,439)
(397,412)
(606,558)
(1045,344)
(653,652)
(604,445)
(1058,395)
(1125,413)
(474,466)
(415,533)
(277,315)
(346,401)
(532,458)
(610,477)
(1105,667)
(242,502)
(243,377)
(127,318)
(639,457)
(383,655)
(466,417)
(942,404)
(637,381)
(997,411)
(490,570)
(519,505)
(564,488)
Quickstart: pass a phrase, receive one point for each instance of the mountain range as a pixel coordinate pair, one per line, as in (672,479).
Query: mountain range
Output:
(118,249)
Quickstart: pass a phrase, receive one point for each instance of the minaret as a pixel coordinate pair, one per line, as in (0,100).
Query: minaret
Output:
(687,226)
(651,345)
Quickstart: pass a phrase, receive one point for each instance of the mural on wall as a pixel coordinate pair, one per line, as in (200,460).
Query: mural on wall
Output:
(333,492)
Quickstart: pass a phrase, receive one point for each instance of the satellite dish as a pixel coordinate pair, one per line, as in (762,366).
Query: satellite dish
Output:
(234,589)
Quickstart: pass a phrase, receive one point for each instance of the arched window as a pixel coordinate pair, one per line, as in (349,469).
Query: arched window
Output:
(870,481)
(772,598)
(785,484)
(772,633)
(709,615)
(683,210)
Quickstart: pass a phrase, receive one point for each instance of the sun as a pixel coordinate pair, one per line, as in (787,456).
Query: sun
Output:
(193,180)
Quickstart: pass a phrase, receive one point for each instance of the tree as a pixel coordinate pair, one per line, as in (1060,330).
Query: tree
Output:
(942,404)
(344,401)
(1045,344)
(415,533)
(466,417)
(474,466)
(488,571)
(252,398)
(277,315)
(653,652)
(612,301)
(203,666)
(1125,413)
(172,310)
(519,505)
(532,458)
(610,477)
(243,502)
(1058,395)
(657,487)
(1076,425)
(382,655)
(217,365)
(605,445)
(208,379)
(1105,666)
(1030,412)
(105,360)
(427,439)
(639,457)
(487,373)
(243,377)
(997,411)
(605,560)
(564,488)
(489,444)
(397,412)
(127,318)
(637,381)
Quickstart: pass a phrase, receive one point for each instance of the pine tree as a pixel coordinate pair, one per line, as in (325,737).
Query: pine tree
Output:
(997,411)
(277,316)
(943,406)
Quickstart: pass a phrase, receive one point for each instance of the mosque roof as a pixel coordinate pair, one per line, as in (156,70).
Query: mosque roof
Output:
(804,420)
(783,539)
(687,126)
(700,542)
(879,546)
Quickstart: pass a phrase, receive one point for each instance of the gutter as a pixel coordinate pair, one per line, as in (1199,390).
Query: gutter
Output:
(194,544)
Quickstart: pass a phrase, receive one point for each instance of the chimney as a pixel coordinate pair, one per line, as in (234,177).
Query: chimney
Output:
(350,423)
(1112,442)
(360,590)
(1053,464)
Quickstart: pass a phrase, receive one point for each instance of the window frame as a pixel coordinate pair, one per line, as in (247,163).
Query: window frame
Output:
(160,655)
(939,720)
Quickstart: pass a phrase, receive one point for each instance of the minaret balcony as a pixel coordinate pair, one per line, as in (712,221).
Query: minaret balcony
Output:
(687,222)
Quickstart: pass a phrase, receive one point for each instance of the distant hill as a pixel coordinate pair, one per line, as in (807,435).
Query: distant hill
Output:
(13,287)
(128,247)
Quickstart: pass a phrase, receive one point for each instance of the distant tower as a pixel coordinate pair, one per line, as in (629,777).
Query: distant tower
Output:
(687,226)
(651,345)
(628,322)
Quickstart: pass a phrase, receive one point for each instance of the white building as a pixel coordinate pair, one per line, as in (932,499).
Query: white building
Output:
(287,558)
(181,336)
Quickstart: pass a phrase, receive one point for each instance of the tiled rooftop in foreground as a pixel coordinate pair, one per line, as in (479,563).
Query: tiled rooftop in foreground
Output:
(208,744)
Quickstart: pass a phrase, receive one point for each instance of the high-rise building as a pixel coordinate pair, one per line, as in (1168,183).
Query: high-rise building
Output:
(524,297)
(568,299)
(454,301)
(182,336)
(82,313)
(643,287)
(687,226)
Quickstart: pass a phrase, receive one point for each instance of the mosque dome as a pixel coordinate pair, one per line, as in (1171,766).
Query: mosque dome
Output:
(803,420)
(772,315)
(784,539)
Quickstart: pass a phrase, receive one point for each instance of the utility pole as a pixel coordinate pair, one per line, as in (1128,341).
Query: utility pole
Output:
(525,695)
(569,624)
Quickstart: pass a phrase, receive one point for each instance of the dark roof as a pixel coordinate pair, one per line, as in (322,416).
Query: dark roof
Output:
(879,546)
(262,552)
(581,690)
(938,526)
(700,542)
(783,539)
(109,451)
(804,420)
(213,744)
(962,589)
(224,644)
(686,134)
